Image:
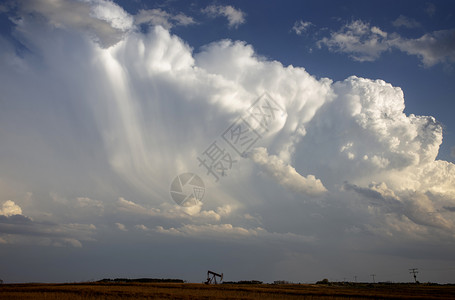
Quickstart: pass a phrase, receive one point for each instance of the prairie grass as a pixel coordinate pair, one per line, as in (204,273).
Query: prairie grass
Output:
(127,291)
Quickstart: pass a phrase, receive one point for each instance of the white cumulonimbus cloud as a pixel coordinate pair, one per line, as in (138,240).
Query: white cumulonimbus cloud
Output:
(155,106)
(383,155)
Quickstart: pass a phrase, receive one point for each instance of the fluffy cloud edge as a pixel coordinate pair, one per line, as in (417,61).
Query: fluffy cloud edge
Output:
(9,208)
(223,231)
(285,174)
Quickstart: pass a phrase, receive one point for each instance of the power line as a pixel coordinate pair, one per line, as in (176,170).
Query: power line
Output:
(438,269)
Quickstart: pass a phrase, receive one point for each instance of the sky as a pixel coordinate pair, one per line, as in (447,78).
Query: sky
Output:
(263,140)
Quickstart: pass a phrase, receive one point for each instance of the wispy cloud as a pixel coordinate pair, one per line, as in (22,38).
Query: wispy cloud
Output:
(300,27)
(234,16)
(432,48)
(430,9)
(403,21)
(162,18)
(364,42)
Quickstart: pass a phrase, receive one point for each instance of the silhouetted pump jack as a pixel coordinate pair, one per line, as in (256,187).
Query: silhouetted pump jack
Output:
(211,277)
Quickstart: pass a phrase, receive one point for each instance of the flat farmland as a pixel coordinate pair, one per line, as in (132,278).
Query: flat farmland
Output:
(89,291)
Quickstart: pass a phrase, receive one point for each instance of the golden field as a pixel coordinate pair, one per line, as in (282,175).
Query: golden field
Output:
(92,291)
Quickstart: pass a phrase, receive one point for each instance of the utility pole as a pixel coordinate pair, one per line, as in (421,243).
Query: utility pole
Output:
(355,278)
(414,272)
(372,275)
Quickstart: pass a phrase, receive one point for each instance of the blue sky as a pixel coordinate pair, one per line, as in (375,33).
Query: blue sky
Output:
(331,123)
